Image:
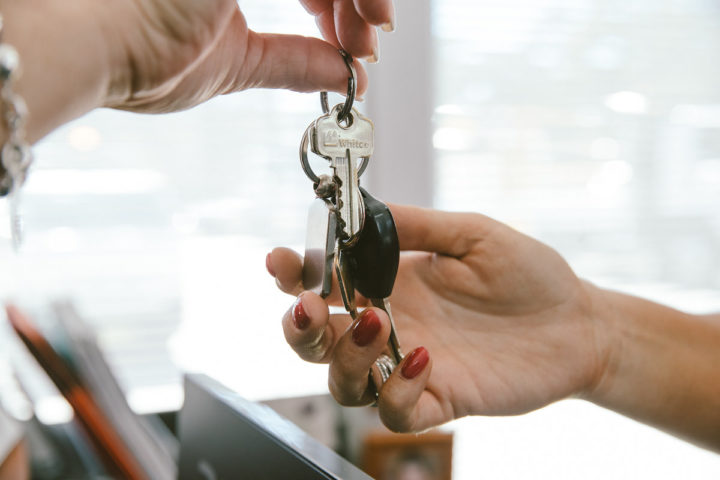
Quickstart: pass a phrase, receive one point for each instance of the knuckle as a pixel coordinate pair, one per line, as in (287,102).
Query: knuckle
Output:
(346,392)
(395,414)
(314,348)
(311,346)
(395,423)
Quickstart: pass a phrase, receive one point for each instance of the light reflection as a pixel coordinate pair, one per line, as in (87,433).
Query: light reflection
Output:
(633,103)
(449,138)
(610,177)
(94,182)
(449,109)
(604,148)
(62,240)
(708,171)
(53,410)
(185,222)
(698,116)
(84,138)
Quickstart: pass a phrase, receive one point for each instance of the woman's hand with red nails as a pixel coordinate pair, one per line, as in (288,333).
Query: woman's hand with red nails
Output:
(492,322)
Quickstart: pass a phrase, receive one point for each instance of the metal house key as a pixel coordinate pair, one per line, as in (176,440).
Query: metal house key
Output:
(343,142)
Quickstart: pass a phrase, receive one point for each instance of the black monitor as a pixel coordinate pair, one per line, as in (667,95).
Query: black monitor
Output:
(224,436)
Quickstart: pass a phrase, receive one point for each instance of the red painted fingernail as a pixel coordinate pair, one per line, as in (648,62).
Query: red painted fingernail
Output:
(268,264)
(366,328)
(299,317)
(415,362)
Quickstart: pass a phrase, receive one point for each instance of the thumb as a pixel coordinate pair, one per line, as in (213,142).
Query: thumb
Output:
(302,64)
(449,233)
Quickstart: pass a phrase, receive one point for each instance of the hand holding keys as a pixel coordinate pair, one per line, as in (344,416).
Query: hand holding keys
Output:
(349,231)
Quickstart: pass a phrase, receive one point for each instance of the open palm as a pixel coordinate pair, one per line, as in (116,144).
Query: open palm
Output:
(508,325)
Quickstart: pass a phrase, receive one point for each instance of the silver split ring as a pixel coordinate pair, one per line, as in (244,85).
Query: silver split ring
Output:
(351,89)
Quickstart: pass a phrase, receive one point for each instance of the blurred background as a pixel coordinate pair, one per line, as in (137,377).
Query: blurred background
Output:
(593,125)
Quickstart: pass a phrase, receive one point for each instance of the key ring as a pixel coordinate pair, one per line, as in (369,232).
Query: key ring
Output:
(351,90)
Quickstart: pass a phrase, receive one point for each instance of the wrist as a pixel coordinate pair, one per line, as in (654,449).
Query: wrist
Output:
(660,366)
(607,344)
(64,59)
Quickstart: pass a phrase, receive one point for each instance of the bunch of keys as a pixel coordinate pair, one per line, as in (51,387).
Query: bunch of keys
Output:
(349,231)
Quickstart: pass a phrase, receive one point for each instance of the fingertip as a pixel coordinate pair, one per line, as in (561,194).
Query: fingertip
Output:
(401,398)
(285,265)
(314,306)
(356,35)
(299,316)
(378,13)
(414,363)
(355,355)
(374,56)
(304,315)
(366,329)
(326,24)
(305,327)
(269,265)
(302,64)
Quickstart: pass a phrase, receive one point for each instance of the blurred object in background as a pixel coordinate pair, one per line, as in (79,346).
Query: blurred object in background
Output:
(593,125)
(388,456)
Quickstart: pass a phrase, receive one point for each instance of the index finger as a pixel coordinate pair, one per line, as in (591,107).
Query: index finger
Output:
(377,12)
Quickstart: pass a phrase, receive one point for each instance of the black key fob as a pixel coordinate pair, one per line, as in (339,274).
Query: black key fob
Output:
(375,257)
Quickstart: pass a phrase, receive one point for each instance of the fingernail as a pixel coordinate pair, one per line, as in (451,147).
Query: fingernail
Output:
(374,57)
(299,317)
(366,328)
(268,264)
(415,363)
(390,26)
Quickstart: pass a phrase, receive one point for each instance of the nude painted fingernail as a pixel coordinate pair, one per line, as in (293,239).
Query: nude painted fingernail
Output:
(268,264)
(390,26)
(367,328)
(374,57)
(415,363)
(300,318)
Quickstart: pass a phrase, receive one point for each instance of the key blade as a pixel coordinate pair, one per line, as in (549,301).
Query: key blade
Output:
(345,282)
(393,342)
(348,198)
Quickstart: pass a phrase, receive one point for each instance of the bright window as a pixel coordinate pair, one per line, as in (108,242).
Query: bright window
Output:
(593,125)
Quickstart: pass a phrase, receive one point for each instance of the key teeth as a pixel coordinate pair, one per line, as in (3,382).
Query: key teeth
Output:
(340,225)
(324,187)
(342,233)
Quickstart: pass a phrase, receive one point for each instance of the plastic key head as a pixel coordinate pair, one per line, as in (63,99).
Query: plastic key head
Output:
(376,255)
